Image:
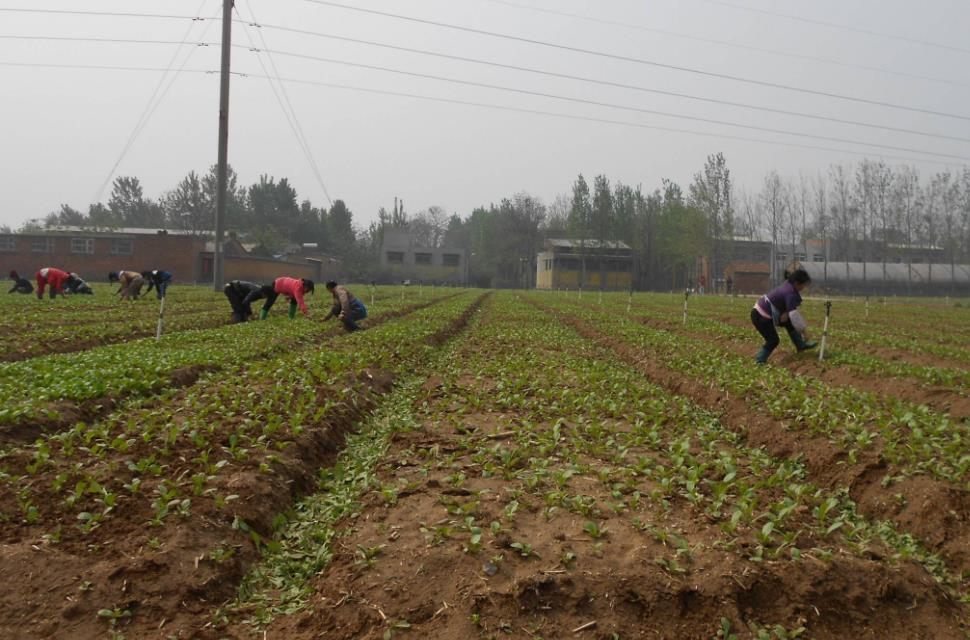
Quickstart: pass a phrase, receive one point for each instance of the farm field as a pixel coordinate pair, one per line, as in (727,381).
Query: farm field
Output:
(483,465)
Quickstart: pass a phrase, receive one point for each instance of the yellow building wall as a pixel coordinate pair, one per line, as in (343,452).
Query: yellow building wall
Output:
(544,280)
(570,279)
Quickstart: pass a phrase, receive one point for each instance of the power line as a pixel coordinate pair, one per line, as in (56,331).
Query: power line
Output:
(643,61)
(567,116)
(726,43)
(151,105)
(114,14)
(620,85)
(638,125)
(293,121)
(598,103)
(834,25)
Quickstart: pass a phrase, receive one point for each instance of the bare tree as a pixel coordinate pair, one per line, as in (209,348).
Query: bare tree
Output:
(774,201)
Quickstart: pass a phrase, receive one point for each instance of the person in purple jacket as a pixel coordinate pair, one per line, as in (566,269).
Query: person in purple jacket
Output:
(780,309)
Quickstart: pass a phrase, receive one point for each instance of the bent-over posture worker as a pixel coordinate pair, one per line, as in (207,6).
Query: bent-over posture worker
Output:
(130,281)
(346,307)
(238,292)
(159,280)
(293,288)
(77,285)
(779,308)
(53,277)
(20,285)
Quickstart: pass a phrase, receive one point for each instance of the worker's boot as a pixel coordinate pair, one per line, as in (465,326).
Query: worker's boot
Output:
(292,312)
(799,341)
(763,354)
(263,313)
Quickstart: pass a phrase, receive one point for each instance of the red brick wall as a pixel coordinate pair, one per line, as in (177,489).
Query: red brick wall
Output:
(265,270)
(177,254)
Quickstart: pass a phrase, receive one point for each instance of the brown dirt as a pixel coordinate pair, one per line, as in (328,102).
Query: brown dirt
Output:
(444,592)
(932,505)
(172,585)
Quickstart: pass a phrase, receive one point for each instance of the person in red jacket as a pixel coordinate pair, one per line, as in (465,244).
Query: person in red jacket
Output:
(55,278)
(292,288)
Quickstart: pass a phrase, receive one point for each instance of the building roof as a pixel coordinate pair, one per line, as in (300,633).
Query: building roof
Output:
(589,244)
(128,231)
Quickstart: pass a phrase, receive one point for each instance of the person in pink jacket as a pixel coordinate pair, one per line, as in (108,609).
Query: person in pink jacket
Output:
(292,288)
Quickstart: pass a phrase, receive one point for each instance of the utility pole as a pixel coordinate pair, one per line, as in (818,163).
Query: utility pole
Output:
(223,170)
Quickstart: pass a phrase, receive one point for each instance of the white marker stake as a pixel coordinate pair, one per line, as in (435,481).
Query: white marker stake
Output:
(867,306)
(686,295)
(161,318)
(629,301)
(825,330)
(601,297)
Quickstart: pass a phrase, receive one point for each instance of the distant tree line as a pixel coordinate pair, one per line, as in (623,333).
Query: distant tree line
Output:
(855,208)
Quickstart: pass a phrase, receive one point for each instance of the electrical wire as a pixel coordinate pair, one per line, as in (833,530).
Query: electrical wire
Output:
(608,83)
(643,61)
(151,105)
(726,43)
(114,14)
(598,103)
(294,121)
(834,25)
(637,125)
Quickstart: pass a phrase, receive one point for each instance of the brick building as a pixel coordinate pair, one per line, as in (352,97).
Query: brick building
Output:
(93,253)
(403,259)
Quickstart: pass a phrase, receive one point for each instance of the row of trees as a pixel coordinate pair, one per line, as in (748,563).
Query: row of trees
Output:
(861,210)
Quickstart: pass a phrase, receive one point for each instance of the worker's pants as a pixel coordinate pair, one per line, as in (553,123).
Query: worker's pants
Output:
(241,309)
(162,287)
(357,312)
(26,289)
(766,327)
(132,291)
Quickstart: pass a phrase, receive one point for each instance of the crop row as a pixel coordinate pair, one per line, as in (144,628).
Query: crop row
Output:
(206,461)
(535,448)
(912,437)
(843,351)
(867,349)
(33,390)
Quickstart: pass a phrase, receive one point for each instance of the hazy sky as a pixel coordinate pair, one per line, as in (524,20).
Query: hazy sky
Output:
(61,130)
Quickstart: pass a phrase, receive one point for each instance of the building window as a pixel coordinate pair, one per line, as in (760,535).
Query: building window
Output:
(8,243)
(82,245)
(782,257)
(818,257)
(897,260)
(395,257)
(422,258)
(42,245)
(451,259)
(122,246)
(917,261)
(800,257)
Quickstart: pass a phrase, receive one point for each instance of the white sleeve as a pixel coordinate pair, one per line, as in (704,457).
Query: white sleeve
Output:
(797,320)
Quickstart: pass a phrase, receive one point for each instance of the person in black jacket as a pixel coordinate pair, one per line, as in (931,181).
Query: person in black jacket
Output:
(238,293)
(157,279)
(20,285)
(77,285)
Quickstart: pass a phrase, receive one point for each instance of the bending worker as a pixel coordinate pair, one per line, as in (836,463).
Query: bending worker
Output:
(56,278)
(346,307)
(780,309)
(78,285)
(20,285)
(292,288)
(130,281)
(159,280)
(238,292)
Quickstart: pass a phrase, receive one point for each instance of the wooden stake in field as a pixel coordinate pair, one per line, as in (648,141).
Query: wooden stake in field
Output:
(629,302)
(601,297)
(161,319)
(825,330)
(867,306)
(686,295)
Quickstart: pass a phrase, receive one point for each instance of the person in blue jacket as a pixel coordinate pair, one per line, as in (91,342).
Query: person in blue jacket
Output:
(779,308)
(159,280)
